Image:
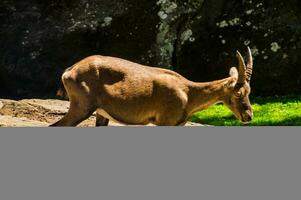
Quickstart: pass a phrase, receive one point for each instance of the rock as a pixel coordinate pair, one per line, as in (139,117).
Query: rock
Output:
(53,105)
(44,112)
(9,121)
(271,29)
(41,113)
(40,39)
(195,124)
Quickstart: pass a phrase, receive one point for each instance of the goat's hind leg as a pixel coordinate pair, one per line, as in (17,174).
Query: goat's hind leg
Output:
(75,115)
(81,104)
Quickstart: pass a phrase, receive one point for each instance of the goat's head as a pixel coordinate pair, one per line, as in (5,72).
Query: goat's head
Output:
(238,88)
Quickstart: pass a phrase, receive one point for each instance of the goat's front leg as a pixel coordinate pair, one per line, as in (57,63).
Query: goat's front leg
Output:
(182,123)
(101,121)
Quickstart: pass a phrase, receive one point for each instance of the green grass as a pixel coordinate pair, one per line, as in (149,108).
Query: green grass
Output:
(268,111)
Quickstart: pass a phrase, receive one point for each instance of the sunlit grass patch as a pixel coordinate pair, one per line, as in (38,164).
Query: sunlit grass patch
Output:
(268,111)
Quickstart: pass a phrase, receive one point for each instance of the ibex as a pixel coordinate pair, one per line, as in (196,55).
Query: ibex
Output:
(136,94)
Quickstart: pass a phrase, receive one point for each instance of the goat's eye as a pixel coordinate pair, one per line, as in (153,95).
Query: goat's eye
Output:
(238,93)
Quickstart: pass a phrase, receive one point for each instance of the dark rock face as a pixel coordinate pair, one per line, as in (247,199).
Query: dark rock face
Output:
(197,38)
(272,29)
(40,39)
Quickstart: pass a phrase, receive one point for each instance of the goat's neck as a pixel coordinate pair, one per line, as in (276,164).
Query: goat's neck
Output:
(203,95)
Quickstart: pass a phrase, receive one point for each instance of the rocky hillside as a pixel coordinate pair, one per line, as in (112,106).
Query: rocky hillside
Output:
(40,113)
(197,38)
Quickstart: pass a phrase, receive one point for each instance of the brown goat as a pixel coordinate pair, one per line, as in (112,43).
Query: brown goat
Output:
(131,93)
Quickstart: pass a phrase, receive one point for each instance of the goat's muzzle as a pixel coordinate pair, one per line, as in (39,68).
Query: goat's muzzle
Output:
(247,116)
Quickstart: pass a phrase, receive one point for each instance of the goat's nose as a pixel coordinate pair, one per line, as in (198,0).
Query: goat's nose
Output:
(249,114)
(249,117)
(246,118)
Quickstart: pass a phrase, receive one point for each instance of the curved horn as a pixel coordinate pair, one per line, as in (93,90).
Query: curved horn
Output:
(249,65)
(242,68)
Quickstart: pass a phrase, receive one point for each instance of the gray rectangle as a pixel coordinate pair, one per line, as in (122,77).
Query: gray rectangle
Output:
(120,163)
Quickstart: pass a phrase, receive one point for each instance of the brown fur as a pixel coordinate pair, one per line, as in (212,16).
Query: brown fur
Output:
(136,94)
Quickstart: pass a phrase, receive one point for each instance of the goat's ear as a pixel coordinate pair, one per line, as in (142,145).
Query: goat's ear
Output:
(231,83)
(233,72)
